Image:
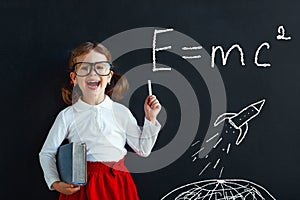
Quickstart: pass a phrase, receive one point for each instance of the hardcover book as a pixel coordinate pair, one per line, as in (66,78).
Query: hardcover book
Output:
(71,163)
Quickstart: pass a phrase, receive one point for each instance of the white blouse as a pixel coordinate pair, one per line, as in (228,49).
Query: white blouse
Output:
(105,128)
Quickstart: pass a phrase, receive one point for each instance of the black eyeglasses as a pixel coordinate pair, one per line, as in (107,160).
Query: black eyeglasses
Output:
(85,68)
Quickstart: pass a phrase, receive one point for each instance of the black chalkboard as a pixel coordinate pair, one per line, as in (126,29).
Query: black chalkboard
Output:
(229,121)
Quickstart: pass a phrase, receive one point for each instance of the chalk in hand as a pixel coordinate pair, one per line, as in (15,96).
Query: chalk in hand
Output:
(149,87)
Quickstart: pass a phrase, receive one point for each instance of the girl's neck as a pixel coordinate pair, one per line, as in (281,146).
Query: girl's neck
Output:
(93,100)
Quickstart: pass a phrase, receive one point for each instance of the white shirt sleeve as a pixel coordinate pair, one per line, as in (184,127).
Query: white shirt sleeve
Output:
(141,139)
(47,154)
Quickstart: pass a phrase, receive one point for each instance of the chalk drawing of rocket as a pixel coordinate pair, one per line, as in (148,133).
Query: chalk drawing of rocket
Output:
(240,120)
(234,131)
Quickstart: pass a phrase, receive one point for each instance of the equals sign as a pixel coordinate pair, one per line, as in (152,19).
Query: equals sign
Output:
(191,48)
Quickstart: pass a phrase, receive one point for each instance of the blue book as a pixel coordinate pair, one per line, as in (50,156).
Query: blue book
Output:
(71,163)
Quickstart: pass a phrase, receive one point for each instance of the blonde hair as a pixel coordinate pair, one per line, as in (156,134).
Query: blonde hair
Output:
(71,93)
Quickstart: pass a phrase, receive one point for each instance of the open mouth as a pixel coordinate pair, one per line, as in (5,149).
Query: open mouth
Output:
(93,84)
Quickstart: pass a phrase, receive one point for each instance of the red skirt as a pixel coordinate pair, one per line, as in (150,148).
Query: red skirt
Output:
(106,181)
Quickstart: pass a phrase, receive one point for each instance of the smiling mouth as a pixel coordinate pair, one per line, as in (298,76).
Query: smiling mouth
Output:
(93,84)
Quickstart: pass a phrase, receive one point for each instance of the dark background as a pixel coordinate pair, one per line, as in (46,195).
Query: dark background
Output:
(37,36)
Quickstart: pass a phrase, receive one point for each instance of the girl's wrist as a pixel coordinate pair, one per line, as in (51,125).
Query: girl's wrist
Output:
(53,185)
(152,120)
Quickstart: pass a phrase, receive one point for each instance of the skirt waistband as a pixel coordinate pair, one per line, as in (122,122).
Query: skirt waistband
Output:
(95,166)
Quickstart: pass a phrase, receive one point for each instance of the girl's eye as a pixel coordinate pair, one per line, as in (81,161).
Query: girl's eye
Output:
(99,67)
(84,68)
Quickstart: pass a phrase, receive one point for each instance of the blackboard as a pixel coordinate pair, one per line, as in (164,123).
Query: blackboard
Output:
(261,69)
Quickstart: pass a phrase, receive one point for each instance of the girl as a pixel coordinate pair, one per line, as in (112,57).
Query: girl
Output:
(104,125)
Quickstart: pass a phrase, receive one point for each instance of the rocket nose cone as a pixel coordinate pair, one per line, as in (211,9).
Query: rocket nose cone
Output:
(259,104)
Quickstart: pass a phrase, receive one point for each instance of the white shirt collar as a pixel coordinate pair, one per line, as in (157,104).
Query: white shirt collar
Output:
(83,106)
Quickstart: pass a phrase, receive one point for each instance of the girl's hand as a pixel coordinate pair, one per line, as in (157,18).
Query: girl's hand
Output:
(65,188)
(152,107)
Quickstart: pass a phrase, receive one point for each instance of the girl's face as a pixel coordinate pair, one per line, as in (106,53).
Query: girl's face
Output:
(93,84)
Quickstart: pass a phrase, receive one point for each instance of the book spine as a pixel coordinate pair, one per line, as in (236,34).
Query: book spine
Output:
(73,162)
(79,164)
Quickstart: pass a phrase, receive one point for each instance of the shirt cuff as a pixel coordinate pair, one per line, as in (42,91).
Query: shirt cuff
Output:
(50,183)
(149,123)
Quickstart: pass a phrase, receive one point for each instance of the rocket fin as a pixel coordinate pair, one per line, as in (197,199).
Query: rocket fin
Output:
(222,117)
(243,132)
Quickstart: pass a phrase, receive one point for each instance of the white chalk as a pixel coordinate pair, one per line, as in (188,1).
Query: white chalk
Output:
(149,87)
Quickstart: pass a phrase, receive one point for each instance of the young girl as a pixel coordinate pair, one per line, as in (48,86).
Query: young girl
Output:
(102,124)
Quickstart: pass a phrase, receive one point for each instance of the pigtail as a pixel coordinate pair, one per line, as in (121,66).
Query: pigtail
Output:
(66,94)
(118,87)
(70,93)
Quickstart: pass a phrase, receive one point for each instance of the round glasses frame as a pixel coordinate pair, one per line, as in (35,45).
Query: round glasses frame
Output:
(92,67)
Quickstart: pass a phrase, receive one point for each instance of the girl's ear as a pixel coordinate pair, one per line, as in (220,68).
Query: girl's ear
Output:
(111,75)
(73,77)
